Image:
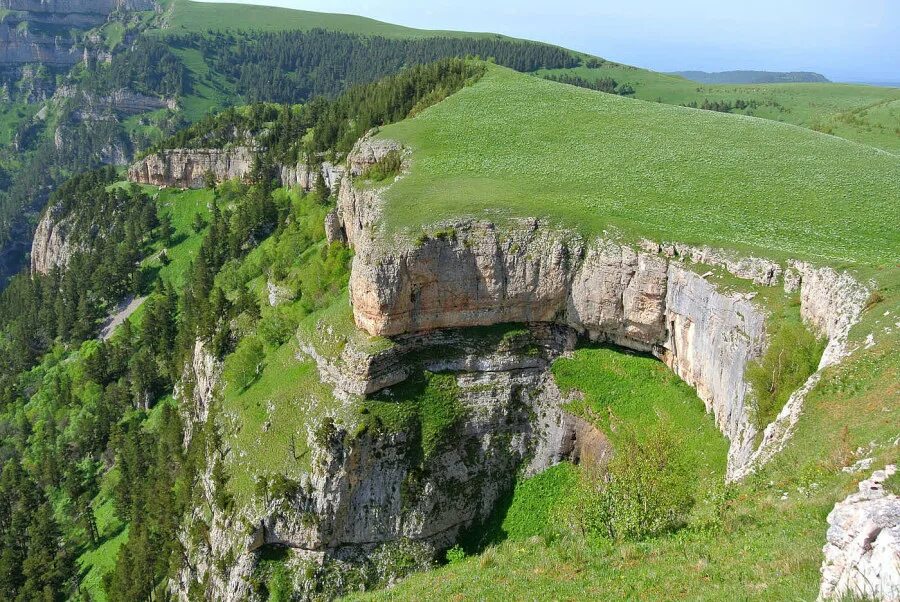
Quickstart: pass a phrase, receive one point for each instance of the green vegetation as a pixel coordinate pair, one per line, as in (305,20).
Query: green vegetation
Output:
(204,16)
(761,540)
(866,114)
(632,396)
(426,405)
(514,145)
(646,490)
(792,355)
(386,167)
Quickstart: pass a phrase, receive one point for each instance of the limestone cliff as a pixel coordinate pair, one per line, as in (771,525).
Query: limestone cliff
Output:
(188,168)
(37,31)
(52,245)
(862,551)
(472,272)
(371,485)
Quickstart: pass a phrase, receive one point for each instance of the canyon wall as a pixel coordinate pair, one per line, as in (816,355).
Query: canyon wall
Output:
(474,272)
(188,168)
(52,246)
(37,31)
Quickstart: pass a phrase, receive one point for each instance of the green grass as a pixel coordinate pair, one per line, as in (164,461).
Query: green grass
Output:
(625,392)
(97,562)
(517,145)
(768,545)
(264,420)
(867,114)
(203,16)
(211,90)
(181,206)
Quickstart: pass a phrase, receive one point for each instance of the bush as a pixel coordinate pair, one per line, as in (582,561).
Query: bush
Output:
(455,554)
(245,364)
(386,167)
(646,490)
(792,356)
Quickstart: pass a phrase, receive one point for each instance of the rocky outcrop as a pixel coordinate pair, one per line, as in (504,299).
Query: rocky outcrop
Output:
(188,168)
(36,31)
(52,246)
(305,176)
(862,553)
(471,273)
(198,387)
(831,302)
(372,485)
(375,485)
(94,107)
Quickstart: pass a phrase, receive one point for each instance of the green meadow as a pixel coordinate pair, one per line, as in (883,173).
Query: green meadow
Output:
(517,145)
(867,114)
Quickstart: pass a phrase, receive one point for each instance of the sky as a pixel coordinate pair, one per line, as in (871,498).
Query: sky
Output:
(849,40)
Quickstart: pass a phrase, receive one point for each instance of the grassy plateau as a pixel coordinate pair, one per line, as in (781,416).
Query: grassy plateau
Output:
(516,145)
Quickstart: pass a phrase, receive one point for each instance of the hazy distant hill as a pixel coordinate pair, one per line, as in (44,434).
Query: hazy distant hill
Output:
(754,77)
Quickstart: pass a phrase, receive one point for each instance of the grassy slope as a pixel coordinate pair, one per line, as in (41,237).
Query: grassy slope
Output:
(188,16)
(589,160)
(768,543)
(867,114)
(513,144)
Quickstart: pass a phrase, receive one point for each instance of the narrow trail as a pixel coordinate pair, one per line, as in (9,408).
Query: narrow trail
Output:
(121,313)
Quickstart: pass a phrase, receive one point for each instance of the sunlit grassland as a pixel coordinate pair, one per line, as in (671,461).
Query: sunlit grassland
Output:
(768,543)
(627,393)
(516,145)
(204,16)
(867,114)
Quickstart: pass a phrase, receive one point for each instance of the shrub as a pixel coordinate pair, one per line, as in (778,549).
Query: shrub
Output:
(246,363)
(455,554)
(792,356)
(386,167)
(646,491)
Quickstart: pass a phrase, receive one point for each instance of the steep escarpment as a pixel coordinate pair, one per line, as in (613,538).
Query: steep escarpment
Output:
(381,472)
(39,32)
(475,272)
(188,168)
(52,245)
(193,167)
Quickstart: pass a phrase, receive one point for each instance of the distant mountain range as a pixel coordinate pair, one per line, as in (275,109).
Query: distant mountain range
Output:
(754,77)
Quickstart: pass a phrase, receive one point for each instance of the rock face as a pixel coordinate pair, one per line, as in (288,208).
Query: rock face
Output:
(371,485)
(304,176)
(52,246)
(188,167)
(473,273)
(862,553)
(198,387)
(831,302)
(36,31)
(94,108)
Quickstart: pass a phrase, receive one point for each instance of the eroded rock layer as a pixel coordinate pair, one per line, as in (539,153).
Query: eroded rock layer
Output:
(474,273)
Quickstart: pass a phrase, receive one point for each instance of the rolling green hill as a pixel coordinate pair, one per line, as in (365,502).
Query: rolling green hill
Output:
(753,77)
(188,16)
(515,144)
(867,114)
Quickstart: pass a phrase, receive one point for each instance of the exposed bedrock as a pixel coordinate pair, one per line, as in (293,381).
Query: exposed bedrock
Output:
(375,485)
(473,272)
(192,167)
(862,551)
(371,484)
(52,246)
(189,168)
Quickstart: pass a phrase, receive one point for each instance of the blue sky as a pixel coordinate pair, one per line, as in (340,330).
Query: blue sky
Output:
(850,40)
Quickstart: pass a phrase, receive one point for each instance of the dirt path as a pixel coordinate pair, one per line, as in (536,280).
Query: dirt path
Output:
(123,310)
